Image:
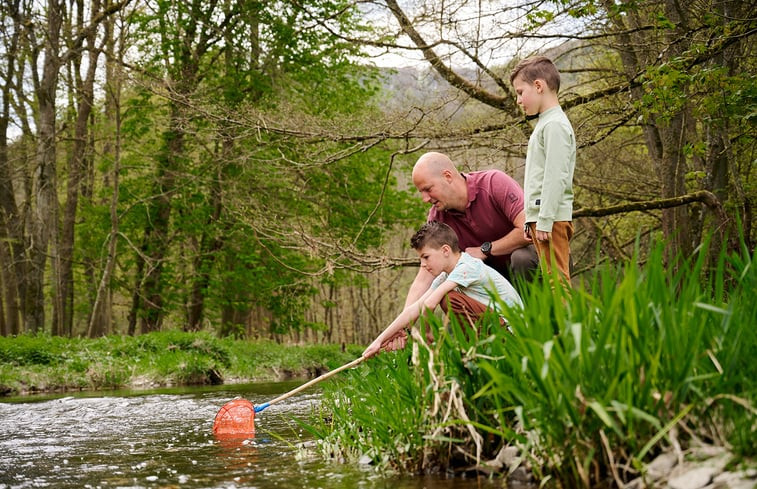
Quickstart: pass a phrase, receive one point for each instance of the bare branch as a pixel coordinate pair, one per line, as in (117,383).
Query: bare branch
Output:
(506,103)
(707,198)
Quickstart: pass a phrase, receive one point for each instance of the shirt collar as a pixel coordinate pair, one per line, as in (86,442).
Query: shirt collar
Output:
(472,189)
(550,110)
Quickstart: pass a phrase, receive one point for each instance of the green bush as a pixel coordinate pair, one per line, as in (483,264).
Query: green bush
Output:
(173,341)
(382,412)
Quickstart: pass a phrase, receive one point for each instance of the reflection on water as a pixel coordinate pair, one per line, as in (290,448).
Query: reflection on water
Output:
(164,439)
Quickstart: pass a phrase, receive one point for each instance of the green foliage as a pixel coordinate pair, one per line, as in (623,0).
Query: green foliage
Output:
(31,350)
(597,374)
(43,362)
(202,343)
(240,199)
(381,412)
(720,96)
(267,360)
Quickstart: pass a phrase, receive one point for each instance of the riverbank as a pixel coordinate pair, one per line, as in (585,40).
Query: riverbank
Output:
(38,364)
(43,363)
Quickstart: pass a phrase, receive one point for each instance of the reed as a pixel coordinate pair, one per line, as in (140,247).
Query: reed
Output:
(591,383)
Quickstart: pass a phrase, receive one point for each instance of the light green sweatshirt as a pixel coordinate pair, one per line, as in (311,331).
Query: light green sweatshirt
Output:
(550,161)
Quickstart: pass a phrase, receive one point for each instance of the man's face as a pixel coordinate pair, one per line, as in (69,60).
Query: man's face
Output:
(434,189)
(434,260)
(529,96)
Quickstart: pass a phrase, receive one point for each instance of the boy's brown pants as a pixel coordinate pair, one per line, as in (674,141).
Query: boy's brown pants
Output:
(465,308)
(557,249)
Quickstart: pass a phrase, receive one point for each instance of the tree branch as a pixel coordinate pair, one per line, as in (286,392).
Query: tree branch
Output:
(707,198)
(506,103)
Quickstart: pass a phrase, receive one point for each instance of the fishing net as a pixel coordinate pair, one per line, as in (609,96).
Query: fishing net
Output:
(235,419)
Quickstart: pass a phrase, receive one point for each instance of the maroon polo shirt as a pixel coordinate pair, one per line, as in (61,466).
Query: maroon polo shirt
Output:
(494,201)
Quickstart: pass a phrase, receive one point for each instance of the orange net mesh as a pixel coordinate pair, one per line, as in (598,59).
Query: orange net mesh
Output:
(235,419)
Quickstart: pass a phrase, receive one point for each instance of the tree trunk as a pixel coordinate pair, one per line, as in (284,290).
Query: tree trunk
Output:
(12,255)
(675,220)
(664,140)
(101,317)
(719,155)
(210,244)
(155,244)
(76,170)
(185,45)
(44,222)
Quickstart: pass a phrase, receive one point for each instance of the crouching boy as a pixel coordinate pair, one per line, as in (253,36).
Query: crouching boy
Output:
(462,285)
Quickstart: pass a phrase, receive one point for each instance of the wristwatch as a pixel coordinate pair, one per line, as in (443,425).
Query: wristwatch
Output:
(486,248)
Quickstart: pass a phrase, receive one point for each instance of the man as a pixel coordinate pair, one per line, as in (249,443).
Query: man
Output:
(486,211)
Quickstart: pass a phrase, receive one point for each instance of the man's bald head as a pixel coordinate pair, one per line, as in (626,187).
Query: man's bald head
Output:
(439,182)
(433,165)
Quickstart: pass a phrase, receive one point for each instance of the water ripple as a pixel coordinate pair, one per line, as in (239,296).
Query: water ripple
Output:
(158,440)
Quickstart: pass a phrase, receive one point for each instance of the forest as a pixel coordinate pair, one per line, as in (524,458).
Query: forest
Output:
(242,167)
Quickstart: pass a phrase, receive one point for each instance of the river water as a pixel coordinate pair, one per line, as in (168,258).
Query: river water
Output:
(163,439)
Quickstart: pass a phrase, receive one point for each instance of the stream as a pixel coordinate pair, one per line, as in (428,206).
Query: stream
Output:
(163,439)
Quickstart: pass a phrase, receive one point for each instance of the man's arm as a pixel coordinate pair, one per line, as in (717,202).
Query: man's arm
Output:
(429,300)
(506,244)
(421,284)
(387,338)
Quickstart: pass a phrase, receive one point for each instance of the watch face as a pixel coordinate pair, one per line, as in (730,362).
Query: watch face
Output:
(486,248)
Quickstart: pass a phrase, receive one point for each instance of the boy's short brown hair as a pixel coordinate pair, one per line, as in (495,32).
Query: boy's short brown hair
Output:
(537,68)
(435,234)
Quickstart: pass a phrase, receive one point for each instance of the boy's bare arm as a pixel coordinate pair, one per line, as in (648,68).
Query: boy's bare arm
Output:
(407,316)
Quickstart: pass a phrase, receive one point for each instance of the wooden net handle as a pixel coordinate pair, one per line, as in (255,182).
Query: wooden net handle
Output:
(304,386)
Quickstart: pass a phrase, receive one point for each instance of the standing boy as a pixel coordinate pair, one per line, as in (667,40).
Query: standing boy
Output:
(462,283)
(550,161)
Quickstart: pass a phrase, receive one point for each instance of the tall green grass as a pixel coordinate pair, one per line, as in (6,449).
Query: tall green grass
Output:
(590,384)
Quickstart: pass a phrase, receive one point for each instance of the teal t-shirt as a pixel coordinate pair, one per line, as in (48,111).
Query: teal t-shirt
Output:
(476,279)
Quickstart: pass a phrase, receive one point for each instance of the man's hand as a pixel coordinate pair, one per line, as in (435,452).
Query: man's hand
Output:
(475,252)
